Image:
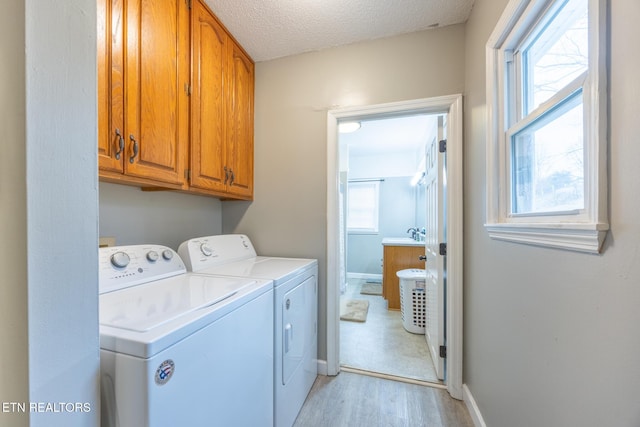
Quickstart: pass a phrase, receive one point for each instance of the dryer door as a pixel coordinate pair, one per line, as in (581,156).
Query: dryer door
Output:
(296,326)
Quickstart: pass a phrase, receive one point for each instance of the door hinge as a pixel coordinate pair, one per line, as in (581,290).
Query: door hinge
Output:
(187,89)
(443,249)
(443,146)
(188,3)
(187,174)
(443,351)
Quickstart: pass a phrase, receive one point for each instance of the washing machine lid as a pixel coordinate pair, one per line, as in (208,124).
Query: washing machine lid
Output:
(144,319)
(142,308)
(278,269)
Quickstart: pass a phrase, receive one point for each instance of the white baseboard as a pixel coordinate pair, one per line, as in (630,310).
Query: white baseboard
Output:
(474,411)
(365,276)
(322,367)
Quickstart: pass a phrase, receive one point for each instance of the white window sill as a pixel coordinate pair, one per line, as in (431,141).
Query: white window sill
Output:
(574,237)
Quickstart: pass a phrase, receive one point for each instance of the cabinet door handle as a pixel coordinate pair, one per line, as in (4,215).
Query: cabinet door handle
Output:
(120,144)
(422,258)
(226,175)
(233,177)
(135,148)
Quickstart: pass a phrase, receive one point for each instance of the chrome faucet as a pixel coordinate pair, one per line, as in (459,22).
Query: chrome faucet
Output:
(413,232)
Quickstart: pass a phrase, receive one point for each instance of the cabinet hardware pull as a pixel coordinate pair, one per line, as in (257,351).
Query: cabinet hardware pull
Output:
(226,175)
(422,258)
(120,144)
(135,148)
(233,177)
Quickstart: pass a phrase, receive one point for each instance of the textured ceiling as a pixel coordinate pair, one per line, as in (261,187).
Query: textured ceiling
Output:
(269,29)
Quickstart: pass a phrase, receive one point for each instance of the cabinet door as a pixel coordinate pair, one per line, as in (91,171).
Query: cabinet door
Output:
(110,85)
(240,123)
(398,258)
(157,77)
(208,152)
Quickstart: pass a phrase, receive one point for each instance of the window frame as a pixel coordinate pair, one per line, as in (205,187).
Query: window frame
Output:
(375,184)
(583,230)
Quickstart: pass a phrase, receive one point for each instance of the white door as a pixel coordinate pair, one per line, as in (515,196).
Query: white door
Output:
(435,187)
(297,326)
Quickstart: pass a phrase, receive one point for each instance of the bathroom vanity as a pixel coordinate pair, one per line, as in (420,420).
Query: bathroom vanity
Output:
(398,253)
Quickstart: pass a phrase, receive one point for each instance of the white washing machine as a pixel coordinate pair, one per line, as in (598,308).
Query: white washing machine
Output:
(182,349)
(295,281)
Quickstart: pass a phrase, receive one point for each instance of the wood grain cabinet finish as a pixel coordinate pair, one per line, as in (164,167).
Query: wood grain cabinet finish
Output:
(394,259)
(175,99)
(143,76)
(221,110)
(240,123)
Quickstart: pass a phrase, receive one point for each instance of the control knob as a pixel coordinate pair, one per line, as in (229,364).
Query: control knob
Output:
(152,256)
(120,259)
(167,254)
(205,249)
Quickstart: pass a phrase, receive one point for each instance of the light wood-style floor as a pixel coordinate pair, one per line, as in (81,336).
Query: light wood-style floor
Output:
(381,344)
(354,400)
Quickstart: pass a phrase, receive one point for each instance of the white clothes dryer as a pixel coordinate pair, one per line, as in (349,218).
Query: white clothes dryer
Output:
(182,349)
(295,282)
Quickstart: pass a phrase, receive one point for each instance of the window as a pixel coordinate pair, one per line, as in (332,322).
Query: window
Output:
(362,207)
(546,101)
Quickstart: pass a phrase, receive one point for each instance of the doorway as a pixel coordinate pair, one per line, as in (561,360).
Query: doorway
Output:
(452,106)
(383,189)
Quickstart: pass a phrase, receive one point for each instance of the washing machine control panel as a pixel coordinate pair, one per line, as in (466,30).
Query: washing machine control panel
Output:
(209,251)
(125,266)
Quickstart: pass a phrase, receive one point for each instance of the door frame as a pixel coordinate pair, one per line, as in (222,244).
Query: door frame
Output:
(452,105)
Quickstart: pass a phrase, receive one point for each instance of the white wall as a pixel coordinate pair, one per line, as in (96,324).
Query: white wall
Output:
(389,164)
(61,197)
(551,337)
(396,214)
(167,218)
(14,352)
(293,95)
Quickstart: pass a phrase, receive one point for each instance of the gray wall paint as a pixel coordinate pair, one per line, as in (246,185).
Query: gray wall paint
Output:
(62,207)
(166,218)
(551,337)
(396,215)
(14,332)
(293,95)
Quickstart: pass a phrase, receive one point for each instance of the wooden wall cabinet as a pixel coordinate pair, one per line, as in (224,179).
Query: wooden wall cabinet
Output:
(240,123)
(143,76)
(394,259)
(175,99)
(221,110)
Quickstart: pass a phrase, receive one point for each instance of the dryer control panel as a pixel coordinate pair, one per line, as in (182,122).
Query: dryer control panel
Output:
(125,266)
(209,251)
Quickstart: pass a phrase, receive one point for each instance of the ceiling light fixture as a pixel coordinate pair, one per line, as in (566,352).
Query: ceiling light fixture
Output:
(347,127)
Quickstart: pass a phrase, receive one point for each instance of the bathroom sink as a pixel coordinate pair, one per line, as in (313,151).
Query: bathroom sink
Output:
(401,241)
